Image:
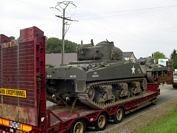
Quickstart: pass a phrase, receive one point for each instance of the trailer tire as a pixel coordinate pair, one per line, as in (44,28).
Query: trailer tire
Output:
(119,115)
(78,126)
(101,122)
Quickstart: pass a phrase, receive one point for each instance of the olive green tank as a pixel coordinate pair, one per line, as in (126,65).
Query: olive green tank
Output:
(101,77)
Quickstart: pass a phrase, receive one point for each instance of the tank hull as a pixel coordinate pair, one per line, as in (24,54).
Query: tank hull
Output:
(97,85)
(100,77)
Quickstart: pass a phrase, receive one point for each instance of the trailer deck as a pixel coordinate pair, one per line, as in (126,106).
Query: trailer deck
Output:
(65,115)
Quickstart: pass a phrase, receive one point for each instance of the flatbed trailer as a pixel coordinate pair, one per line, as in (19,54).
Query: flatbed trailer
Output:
(23,93)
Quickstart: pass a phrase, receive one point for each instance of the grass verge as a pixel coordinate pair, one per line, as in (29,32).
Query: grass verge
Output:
(167,123)
(161,119)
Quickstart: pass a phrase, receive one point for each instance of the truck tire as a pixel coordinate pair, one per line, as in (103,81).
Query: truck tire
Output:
(101,122)
(119,115)
(78,126)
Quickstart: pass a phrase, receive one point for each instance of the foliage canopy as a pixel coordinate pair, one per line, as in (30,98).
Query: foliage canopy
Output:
(158,55)
(54,45)
(12,38)
(173,57)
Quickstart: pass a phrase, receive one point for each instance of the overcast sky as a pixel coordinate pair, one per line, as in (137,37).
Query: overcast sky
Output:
(141,26)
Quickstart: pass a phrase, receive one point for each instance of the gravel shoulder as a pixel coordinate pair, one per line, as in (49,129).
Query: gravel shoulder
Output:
(145,118)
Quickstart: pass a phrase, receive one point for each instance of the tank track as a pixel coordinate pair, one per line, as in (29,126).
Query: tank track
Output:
(84,98)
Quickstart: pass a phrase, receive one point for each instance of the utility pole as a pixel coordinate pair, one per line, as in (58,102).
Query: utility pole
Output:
(63,38)
(66,4)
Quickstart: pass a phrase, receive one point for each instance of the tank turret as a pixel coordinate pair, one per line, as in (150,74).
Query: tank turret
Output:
(151,69)
(103,51)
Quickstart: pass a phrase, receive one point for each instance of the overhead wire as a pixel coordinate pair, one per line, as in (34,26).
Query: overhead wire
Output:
(123,12)
(127,12)
(128,32)
(108,29)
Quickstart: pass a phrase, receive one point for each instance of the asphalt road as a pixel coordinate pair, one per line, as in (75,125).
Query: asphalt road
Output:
(167,93)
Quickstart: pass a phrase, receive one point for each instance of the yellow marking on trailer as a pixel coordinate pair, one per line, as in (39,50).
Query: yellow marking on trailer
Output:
(13,92)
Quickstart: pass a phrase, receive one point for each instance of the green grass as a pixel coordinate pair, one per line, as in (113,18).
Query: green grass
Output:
(165,124)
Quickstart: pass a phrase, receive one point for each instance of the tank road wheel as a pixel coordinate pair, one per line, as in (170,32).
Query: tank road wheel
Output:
(144,85)
(113,97)
(78,126)
(116,93)
(99,98)
(131,92)
(151,77)
(101,122)
(119,115)
(91,93)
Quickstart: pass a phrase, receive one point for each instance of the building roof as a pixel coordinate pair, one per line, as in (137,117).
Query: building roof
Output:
(127,54)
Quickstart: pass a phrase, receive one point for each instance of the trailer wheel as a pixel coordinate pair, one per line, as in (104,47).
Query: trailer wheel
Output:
(119,115)
(78,126)
(101,122)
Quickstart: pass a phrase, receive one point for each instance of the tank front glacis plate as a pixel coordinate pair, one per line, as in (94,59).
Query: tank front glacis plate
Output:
(67,73)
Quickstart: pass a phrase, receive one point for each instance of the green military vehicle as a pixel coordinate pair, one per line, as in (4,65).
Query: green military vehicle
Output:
(101,77)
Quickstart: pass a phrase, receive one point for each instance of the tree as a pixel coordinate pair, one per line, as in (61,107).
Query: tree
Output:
(54,45)
(173,57)
(158,55)
(12,38)
(173,54)
(70,47)
(175,62)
